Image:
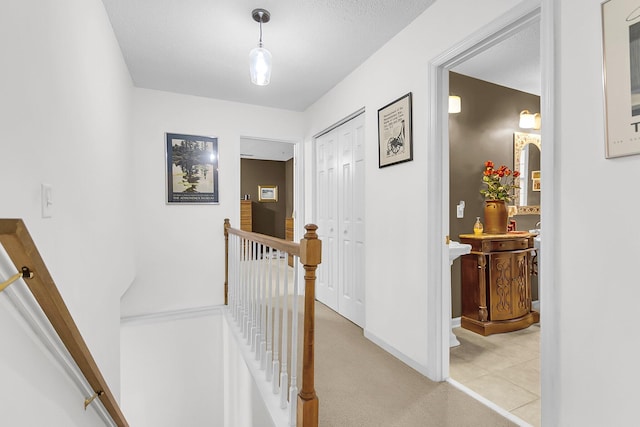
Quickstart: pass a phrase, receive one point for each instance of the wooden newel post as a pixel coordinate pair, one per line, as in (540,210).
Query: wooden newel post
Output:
(310,257)
(227,226)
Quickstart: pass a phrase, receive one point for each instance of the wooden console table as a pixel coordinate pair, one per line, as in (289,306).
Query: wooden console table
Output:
(496,283)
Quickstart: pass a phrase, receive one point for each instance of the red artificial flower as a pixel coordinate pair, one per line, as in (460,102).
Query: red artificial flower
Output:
(497,188)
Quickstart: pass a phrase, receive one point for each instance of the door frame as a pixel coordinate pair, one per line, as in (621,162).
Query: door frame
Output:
(439,275)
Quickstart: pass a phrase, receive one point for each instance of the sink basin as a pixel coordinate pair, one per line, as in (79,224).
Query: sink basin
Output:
(457,249)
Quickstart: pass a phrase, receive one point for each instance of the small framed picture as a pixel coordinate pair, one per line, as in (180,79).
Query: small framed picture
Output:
(535,174)
(395,139)
(535,184)
(267,193)
(192,169)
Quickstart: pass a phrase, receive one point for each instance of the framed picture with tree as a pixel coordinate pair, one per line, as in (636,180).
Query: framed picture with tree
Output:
(192,169)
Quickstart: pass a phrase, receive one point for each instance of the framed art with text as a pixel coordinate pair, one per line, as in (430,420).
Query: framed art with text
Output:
(395,139)
(621,76)
(192,168)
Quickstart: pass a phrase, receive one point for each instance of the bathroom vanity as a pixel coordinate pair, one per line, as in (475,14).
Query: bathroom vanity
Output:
(496,283)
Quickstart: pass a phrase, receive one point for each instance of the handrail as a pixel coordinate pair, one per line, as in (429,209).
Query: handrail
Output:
(309,251)
(22,251)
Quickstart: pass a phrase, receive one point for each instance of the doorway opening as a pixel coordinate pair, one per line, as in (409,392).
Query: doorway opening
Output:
(438,224)
(269,186)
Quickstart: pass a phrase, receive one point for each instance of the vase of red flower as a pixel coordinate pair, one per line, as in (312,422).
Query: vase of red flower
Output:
(500,186)
(495,217)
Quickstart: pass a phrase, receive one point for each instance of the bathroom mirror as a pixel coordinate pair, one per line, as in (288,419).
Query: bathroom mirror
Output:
(526,159)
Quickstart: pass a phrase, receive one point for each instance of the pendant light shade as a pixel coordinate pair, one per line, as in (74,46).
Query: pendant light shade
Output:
(259,57)
(260,66)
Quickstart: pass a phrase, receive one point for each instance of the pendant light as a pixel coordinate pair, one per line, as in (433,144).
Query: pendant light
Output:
(259,57)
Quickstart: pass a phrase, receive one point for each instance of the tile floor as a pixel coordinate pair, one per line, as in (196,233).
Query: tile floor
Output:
(504,368)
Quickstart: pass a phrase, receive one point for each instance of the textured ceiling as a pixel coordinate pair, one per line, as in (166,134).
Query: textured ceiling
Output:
(201,47)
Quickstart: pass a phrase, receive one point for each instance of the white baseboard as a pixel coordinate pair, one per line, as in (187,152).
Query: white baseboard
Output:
(455,322)
(395,353)
(186,313)
(535,305)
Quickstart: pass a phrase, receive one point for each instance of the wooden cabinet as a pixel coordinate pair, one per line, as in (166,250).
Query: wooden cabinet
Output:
(496,283)
(246,223)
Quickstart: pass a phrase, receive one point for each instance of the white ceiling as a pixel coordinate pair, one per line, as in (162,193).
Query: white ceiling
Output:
(201,47)
(514,62)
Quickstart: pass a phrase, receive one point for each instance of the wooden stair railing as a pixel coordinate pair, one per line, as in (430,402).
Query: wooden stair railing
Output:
(309,252)
(22,251)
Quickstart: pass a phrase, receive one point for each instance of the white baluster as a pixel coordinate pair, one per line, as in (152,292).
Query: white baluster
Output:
(284,375)
(243,285)
(230,269)
(293,388)
(256,308)
(236,261)
(269,353)
(252,295)
(276,328)
(263,312)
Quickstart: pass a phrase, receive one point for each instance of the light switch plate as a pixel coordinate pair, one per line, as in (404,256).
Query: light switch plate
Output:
(47,200)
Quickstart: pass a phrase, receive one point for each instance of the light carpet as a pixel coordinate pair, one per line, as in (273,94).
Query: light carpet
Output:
(359,384)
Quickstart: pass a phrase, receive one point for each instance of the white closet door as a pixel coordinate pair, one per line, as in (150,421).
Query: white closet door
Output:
(351,221)
(340,211)
(327,212)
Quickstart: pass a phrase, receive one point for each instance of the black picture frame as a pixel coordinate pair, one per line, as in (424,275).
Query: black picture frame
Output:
(395,132)
(192,169)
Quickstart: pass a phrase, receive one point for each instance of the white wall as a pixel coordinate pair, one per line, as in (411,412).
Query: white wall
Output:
(396,199)
(244,405)
(187,241)
(31,376)
(172,371)
(64,119)
(592,372)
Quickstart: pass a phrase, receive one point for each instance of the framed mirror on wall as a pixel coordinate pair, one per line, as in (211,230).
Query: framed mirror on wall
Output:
(526,159)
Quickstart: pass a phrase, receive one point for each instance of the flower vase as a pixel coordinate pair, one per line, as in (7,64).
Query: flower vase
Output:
(495,217)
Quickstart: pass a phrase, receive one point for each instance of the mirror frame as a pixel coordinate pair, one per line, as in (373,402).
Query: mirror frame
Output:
(521,140)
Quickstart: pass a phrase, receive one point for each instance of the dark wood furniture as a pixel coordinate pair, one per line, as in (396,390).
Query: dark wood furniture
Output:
(496,283)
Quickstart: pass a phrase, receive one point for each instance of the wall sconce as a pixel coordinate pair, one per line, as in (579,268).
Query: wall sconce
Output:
(530,120)
(455,104)
(259,57)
